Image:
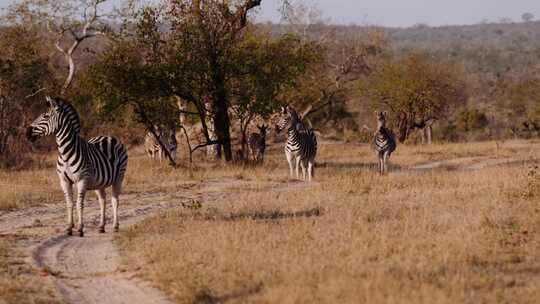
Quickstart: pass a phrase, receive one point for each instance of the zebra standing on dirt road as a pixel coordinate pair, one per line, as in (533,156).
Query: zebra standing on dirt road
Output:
(384,141)
(153,148)
(96,164)
(301,145)
(257,143)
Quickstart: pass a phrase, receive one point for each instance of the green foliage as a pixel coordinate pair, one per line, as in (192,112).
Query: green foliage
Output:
(415,88)
(267,69)
(23,70)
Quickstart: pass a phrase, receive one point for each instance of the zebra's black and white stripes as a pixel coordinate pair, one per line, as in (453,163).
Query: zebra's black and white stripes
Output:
(154,149)
(384,141)
(96,164)
(301,145)
(257,143)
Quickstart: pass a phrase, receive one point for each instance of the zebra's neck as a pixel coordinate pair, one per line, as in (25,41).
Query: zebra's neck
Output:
(292,132)
(68,142)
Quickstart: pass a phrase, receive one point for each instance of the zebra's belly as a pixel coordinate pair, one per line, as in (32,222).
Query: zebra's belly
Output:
(74,178)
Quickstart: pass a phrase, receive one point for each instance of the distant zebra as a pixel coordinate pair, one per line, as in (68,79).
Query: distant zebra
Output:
(301,145)
(384,141)
(153,148)
(257,143)
(96,164)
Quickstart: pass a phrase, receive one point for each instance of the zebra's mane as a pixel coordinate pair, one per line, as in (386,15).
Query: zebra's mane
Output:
(71,113)
(299,125)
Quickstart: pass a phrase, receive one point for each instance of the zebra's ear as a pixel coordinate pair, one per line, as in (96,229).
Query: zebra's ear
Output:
(51,102)
(283,110)
(385,113)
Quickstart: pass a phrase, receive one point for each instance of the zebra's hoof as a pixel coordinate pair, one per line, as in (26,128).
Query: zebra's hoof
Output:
(116,229)
(69,232)
(101,230)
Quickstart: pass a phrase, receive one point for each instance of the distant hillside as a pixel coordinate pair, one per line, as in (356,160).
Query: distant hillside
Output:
(493,35)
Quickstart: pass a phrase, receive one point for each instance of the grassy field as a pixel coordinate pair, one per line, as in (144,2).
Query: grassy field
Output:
(445,235)
(433,230)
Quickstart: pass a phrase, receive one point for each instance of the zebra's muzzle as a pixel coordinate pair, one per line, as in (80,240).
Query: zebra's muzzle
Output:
(30,134)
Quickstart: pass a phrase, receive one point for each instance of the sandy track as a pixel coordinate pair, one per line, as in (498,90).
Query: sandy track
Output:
(86,270)
(469,163)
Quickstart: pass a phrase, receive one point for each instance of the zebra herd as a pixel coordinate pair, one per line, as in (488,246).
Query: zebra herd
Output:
(101,162)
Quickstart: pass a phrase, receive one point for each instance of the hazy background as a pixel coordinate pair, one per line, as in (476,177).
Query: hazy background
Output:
(407,13)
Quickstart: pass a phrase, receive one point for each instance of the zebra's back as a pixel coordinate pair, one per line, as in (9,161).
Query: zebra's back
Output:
(302,143)
(257,142)
(384,141)
(110,150)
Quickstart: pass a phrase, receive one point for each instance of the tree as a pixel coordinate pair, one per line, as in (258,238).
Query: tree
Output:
(527,17)
(417,90)
(267,67)
(23,70)
(344,58)
(133,73)
(212,72)
(68,22)
(205,34)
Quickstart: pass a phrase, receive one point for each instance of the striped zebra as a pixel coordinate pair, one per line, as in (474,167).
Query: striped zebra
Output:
(301,145)
(96,164)
(384,141)
(257,143)
(154,149)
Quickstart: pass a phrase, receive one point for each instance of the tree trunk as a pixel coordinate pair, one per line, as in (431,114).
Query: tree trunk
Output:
(212,151)
(222,124)
(182,106)
(403,127)
(222,121)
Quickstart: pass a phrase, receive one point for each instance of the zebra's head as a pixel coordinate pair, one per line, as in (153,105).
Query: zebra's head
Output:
(381,119)
(288,119)
(262,129)
(58,115)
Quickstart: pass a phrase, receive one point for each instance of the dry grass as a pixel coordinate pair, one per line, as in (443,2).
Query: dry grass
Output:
(18,282)
(447,235)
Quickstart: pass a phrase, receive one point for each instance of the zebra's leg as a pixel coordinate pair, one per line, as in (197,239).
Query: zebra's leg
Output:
(101,197)
(303,164)
(67,187)
(310,170)
(290,161)
(81,189)
(297,167)
(385,161)
(116,190)
(381,168)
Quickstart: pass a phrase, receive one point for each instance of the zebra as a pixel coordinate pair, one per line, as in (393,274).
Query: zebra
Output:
(96,164)
(257,143)
(153,148)
(384,141)
(301,145)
